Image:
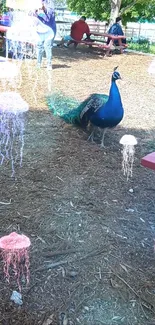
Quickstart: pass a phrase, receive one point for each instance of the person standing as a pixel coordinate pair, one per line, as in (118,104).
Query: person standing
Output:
(46,31)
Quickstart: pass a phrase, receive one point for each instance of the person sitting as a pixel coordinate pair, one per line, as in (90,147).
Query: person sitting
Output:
(116,29)
(78,29)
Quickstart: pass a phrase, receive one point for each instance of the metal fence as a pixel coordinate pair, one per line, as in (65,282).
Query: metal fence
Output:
(148,33)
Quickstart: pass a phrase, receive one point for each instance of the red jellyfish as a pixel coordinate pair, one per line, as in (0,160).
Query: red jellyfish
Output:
(15,253)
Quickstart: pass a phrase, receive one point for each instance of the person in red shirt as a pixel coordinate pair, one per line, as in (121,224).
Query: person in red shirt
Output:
(78,29)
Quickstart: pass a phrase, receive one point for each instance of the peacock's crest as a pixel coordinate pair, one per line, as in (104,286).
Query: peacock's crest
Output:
(116,75)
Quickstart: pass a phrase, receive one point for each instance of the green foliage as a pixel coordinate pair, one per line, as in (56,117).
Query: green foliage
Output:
(96,9)
(142,46)
(141,11)
(2,6)
(100,9)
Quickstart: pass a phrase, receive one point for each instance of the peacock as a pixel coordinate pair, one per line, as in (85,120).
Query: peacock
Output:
(100,110)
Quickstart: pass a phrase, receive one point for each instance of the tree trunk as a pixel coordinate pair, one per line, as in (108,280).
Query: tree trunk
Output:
(115,8)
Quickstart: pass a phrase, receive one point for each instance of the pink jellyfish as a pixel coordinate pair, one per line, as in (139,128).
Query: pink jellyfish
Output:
(15,254)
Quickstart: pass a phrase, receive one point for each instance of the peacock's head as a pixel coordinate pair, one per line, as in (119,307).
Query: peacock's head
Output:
(116,75)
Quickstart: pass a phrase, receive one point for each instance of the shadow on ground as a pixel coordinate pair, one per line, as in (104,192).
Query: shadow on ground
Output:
(85,53)
(92,232)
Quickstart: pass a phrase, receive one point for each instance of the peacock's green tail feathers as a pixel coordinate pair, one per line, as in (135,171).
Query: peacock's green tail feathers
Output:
(64,107)
(69,109)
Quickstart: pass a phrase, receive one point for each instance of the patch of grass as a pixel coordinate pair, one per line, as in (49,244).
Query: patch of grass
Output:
(142,46)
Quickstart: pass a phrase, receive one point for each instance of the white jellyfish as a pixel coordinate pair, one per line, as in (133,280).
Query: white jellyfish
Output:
(128,141)
(12,109)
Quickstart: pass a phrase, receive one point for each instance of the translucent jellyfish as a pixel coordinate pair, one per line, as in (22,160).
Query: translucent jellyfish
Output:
(23,33)
(22,36)
(128,141)
(12,114)
(15,254)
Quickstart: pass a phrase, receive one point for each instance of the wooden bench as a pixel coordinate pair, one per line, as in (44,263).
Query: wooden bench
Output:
(91,44)
(101,43)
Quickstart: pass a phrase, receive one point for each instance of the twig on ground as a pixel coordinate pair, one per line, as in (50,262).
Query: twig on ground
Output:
(6,203)
(71,295)
(65,252)
(143,311)
(51,266)
(99,321)
(28,291)
(84,300)
(145,303)
(94,253)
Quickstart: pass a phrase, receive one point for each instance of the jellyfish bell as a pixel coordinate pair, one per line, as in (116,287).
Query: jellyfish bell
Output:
(14,250)
(12,102)
(8,70)
(23,30)
(128,139)
(22,35)
(14,241)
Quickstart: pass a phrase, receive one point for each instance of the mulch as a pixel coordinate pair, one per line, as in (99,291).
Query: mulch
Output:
(92,231)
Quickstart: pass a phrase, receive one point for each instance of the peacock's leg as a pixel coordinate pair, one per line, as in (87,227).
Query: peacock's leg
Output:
(102,142)
(91,137)
(99,133)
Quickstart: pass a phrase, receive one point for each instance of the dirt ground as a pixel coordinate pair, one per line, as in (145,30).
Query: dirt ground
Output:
(92,231)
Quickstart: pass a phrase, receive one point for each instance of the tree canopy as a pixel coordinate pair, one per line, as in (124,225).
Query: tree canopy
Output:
(130,10)
(2,6)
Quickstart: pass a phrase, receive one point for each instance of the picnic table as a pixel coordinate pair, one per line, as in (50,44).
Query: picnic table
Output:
(100,40)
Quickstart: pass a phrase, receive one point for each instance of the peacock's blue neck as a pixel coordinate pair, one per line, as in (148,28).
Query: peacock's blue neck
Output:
(114,93)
